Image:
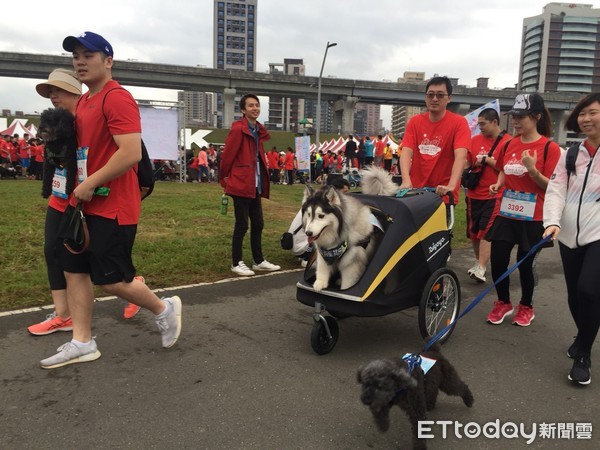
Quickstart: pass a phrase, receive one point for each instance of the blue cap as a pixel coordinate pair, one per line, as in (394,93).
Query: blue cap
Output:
(89,40)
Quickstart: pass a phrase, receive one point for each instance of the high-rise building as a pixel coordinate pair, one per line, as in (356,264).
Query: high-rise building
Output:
(401,114)
(198,108)
(327,113)
(560,49)
(369,116)
(234,41)
(285,113)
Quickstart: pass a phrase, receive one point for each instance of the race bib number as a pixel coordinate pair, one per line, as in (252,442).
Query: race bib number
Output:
(82,155)
(59,183)
(518,205)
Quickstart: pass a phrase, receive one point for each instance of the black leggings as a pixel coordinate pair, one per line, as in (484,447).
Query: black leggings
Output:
(500,259)
(247,209)
(56,276)
(580,266)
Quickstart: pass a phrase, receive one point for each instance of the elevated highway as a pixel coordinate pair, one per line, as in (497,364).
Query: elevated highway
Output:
(231,82)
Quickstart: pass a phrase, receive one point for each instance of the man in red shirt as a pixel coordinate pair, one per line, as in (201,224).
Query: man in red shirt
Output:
(290,165)
(109,138)
(435,144)
(482,206)
(379,150)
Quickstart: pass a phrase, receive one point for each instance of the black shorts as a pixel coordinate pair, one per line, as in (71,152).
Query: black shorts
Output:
(108,258)
(480,216)
(524,233)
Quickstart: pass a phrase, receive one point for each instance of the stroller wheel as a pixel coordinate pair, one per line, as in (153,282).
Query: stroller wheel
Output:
(321,341)
(440,304)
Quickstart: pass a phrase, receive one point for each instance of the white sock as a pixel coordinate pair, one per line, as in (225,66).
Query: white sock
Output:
(80,344)
(164,314)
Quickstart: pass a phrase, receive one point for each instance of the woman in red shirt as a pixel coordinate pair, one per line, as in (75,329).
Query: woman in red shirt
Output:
(525,165)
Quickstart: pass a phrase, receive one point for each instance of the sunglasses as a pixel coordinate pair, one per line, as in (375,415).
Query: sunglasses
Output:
(438,95)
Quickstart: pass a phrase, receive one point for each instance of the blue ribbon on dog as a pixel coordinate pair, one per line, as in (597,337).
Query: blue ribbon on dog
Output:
(480,297)
(413,360)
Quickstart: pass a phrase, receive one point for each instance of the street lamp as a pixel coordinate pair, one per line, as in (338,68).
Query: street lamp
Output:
(318,125)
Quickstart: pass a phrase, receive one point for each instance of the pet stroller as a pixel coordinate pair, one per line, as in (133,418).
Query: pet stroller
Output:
(408,269)
(354,178)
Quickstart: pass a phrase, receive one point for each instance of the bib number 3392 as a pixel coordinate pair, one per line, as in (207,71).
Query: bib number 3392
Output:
(518,205)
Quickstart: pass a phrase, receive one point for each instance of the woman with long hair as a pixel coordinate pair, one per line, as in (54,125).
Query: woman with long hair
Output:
(525,165)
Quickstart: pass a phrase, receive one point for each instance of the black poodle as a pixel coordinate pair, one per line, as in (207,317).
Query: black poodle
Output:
(57,129)
(389,382)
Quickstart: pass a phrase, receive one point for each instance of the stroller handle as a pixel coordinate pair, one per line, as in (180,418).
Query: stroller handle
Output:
(450,196)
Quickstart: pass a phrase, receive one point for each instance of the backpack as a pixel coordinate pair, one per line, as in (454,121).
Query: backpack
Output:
(571,158)
(145,171)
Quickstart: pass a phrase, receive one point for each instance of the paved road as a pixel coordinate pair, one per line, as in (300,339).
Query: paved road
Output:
(243,375)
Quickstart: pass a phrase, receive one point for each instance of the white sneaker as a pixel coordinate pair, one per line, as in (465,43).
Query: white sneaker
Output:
(478,274)
(70,353)
(169,325)
(265,266)
(473,269)
(242,269)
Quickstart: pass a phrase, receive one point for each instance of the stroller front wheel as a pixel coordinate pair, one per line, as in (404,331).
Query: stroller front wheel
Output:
(324,335)
(440,304)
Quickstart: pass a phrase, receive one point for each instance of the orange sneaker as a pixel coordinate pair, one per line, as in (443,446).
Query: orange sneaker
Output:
(52,324)
(131,310)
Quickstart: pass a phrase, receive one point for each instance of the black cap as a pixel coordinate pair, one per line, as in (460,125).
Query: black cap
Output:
(526,104)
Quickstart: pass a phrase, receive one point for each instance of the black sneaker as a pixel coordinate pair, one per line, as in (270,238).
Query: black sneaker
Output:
(572,351)
(582,370)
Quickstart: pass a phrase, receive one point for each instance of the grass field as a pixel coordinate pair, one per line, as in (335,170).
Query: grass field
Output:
(182,237)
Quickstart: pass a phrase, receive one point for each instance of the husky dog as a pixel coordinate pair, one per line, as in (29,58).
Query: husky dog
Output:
(377,181)
(342,230)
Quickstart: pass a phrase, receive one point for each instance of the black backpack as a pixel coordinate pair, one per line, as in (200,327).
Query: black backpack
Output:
(145,171)
(571,158)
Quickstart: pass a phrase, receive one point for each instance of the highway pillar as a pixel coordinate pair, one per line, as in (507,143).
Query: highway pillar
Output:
(460,108)
(343,118)
(228,106)
(559,119)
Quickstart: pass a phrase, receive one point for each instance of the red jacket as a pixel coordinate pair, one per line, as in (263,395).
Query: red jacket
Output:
(237,173)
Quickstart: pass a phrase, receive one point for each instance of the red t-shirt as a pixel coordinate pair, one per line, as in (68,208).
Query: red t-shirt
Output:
(289,161)
(38,153)
(379,147)
(481,145)
(272,159)
(516,176)
(433,145)
(95,132)
(23,149)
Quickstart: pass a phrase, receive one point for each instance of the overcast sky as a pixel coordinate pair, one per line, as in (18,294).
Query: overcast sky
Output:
(377,39)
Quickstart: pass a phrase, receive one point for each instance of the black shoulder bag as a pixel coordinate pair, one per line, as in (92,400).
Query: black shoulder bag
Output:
(471,176)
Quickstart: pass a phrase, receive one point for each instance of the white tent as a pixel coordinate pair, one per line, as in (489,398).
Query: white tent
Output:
(17,128)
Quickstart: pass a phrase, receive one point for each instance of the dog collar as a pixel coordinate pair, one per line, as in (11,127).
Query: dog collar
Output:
(331,255)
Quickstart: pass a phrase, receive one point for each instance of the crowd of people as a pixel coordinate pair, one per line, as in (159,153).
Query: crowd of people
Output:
(21,156)
(527,188)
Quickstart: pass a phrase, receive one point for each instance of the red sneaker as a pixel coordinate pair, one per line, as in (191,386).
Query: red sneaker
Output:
(524,316)
(52,324)
(131,310)
(499,312)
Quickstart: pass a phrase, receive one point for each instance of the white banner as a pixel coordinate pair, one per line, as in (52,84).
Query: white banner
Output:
(472,116)
(303,152)
(160,132)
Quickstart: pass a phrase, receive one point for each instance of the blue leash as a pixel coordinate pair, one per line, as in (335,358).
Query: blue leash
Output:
(480,297)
